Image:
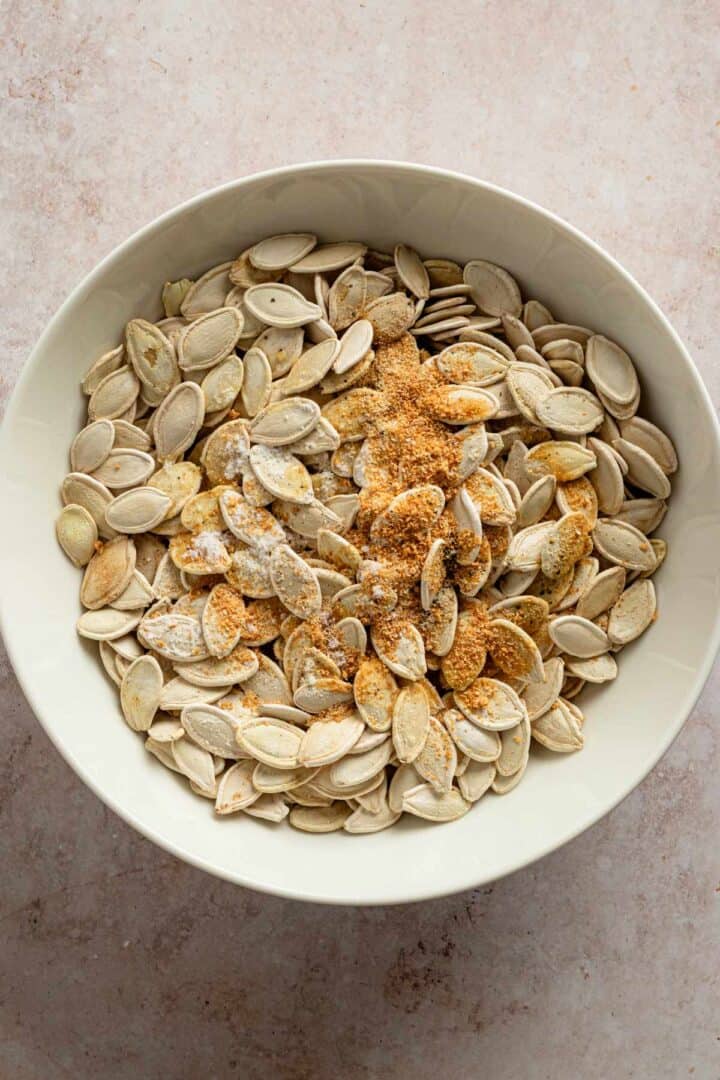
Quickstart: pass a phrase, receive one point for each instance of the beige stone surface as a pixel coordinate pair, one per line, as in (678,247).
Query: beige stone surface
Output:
(116,960)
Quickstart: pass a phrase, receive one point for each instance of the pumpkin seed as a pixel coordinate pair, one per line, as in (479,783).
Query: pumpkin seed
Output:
(611,370)
(311,367)
(125,468)
(107,624)
(601,593)
(103,366)
(643,470)
(282,474)
(564,460)
(327,258)
(598,669)
(558,730)
(152,356)
(631,615)
(280,252)
(208,292)
(411,723)
(622,544)
(91,446)
(138,510)
(570,411)
(578,636)
(490,704)
(492,288)
(77,533)
(650,438)
(536,501)
(114,394)
(280,305)
(425,802)
(327,741)
(140,692)
(178,420)
(320,819)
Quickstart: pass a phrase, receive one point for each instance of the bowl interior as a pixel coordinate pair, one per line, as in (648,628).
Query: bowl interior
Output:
(629,723)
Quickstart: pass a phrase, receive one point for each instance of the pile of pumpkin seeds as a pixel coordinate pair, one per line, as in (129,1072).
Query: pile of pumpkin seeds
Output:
(213,504)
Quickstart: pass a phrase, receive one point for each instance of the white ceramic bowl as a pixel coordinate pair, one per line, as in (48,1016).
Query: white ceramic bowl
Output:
(630,722)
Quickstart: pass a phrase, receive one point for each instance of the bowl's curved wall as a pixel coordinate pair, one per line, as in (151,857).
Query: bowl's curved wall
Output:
(629,723)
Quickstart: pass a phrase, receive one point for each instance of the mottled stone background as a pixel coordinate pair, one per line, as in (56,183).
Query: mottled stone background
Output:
(118,961)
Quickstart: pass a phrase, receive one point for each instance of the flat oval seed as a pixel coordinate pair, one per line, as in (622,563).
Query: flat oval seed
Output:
(125,468)
(564,460)
(423,801)
(114,394)
(295,583)
(411,723)
(91,446)
(104,365)
(196,764)
(494,291)
(558,730)
(140,692)
(222,384)
(326,741)
(282,347)
(412,271)
(623,544)
(643,470)
(152,356)
(540,696)
(274,742)
(651,439)
(570,410)
(280,305)
(606,478)
(213,729)
(107,624)
(138,510)
(282,474)
(284,422)
(602,592)
(257,381)
(129,436)
(280,252)
(633,613)
(437,761)
(400,646)
(472,363)
(490,704)
(176,637)
(598,669)
(458,403)
(514,651)
(536,501)
(329,257)
(209,339)
(178,420)
(611,370)
(108,573)
(578,637)
(235,789)
(320,819)
(354,345)
(77,533)
(311,367)
(375,691)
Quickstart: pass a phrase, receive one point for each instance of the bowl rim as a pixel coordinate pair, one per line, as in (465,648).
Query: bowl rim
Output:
(328,166)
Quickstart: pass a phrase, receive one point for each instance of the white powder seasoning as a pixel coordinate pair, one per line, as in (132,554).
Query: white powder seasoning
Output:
(237,451)
(207,545)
